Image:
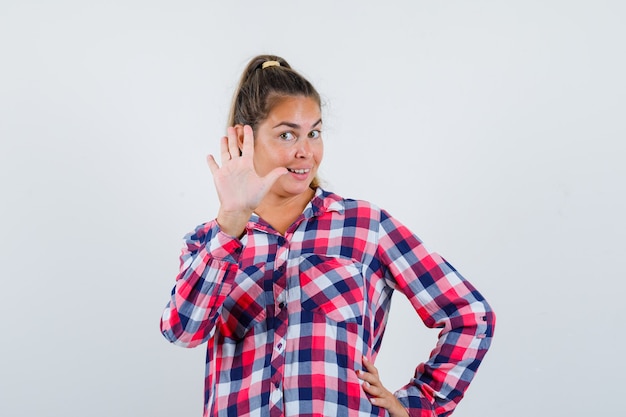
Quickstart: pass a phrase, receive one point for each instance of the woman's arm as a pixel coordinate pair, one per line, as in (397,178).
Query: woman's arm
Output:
(208,265)
(443,299)
(210,257)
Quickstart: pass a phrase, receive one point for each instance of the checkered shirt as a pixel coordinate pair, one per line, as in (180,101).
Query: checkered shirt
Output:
(287,319)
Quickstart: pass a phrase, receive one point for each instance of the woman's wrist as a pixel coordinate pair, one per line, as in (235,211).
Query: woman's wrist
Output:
(233,223)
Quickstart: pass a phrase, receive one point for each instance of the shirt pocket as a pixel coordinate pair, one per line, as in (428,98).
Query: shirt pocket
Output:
(333,287)
(245,306)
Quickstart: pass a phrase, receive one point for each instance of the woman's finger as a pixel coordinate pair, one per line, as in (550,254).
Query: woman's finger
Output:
(224,152)
(366,377)
(212,164)
(377,393)
(274,175)
(248,141)
(371,382)
(369,367)
(233,142)
(372,390)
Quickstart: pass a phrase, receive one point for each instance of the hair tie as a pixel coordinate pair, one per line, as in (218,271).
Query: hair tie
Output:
(270,64)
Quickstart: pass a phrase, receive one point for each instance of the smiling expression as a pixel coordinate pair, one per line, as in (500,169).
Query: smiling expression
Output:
(290,137)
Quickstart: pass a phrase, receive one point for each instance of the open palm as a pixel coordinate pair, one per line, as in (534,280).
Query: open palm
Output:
(239,188)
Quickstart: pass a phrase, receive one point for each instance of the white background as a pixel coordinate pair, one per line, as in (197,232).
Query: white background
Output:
(494,130)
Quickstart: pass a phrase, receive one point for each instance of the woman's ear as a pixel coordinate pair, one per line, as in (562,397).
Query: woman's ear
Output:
(239,132)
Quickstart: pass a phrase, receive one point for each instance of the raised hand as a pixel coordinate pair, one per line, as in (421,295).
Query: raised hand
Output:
(377,393)
(239,188)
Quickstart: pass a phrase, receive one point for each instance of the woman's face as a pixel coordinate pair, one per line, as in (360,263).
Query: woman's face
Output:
(290,137)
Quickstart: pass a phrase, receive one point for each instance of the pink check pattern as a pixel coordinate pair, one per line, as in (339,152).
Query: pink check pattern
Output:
(287,319)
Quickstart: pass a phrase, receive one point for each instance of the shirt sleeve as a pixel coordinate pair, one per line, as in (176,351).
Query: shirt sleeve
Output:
(208,266)
(443,299)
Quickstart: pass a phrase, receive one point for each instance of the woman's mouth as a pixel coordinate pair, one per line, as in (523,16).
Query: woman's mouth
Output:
(299,171)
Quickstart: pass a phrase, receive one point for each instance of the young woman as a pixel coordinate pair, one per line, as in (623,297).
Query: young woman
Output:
(290,285)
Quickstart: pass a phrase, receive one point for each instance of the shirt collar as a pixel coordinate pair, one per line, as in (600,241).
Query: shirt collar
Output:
(322,202)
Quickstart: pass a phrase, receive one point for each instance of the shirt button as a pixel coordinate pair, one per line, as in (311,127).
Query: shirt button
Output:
(280,347)
(281,241)
(281,305)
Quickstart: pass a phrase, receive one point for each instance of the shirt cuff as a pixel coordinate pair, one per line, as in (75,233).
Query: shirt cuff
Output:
(223,246)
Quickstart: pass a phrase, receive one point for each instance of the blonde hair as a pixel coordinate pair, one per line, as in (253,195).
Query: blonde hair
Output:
(263,86)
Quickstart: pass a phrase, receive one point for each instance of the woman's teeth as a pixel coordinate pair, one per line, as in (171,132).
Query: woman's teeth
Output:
(298,171)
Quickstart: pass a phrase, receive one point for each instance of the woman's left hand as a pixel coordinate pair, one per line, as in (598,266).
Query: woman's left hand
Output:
(377,393)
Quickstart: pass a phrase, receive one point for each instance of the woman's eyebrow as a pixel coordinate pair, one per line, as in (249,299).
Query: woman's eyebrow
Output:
(295,125)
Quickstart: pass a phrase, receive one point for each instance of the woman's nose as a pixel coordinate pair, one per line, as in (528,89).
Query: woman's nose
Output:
(303,149)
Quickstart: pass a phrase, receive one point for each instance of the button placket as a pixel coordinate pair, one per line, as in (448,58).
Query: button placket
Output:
(280,321)
(276,401)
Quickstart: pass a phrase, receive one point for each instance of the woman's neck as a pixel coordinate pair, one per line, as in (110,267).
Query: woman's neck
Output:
(281,212)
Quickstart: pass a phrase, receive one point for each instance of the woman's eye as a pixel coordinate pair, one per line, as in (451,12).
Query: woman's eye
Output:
(314,134)
(287,136)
